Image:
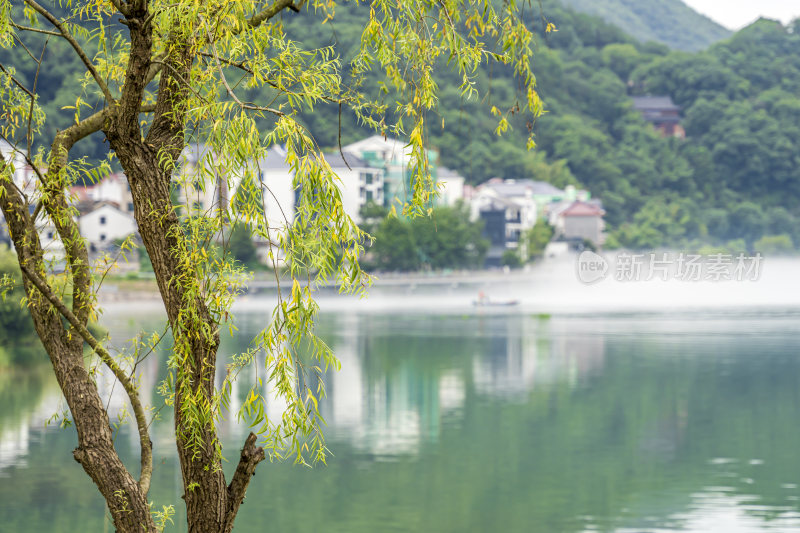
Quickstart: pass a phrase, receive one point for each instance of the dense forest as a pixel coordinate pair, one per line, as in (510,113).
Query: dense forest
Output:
(733,182)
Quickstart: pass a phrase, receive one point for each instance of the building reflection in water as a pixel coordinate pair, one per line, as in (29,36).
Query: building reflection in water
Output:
(394,412)
(388,399)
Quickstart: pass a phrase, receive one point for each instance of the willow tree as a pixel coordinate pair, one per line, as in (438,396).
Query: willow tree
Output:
(160,74)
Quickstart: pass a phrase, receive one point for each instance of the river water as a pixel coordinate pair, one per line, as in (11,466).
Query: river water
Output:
(463,420)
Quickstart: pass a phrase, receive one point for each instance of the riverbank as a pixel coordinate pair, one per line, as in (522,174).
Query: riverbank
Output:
(125,289)
(552,286)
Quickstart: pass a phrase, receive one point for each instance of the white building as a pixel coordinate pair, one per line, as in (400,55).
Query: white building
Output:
(393,157)
(508,209)
(391,151)
(201,184)
(278,193)
(101,226)
(582,221)
(451,186)
(359,183)
(48,237)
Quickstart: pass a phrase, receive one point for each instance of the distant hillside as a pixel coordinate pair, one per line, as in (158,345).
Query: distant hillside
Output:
(667,21)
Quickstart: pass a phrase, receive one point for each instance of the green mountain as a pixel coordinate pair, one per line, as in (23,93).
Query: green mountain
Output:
(670,22)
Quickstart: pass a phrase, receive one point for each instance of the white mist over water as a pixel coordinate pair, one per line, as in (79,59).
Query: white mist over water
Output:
(552,286)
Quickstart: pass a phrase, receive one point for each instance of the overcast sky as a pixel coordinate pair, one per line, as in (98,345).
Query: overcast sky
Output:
(735,14)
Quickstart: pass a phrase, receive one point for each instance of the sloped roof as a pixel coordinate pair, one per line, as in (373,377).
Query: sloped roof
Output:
(512,188)
(275,159)
(106,204)
(583,209)
(336,160)
(648,103)
(389,147)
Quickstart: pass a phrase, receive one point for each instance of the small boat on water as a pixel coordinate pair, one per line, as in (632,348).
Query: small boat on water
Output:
(498,303)
(485,301)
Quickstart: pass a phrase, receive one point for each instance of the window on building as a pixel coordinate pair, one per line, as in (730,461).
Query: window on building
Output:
(50,235)
(102,221)
(369,196)
(102,237)
(369,179)
(362,192)
(130,206)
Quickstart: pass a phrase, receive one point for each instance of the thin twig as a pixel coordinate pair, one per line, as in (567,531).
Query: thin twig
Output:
(36,30)
(75,45)
(33,90)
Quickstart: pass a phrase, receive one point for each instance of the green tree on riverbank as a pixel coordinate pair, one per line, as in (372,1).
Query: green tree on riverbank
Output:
(446,239)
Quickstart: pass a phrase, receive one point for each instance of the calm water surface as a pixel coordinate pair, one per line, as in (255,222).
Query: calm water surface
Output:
(476,423)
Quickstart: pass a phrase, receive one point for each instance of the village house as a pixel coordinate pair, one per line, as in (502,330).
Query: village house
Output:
(24,175)
(581,221)
(277,179)
(571,194)
(359,184)
(508,209)
(48,237)
(393,157)
(104,224)
(662,113)
(202,182)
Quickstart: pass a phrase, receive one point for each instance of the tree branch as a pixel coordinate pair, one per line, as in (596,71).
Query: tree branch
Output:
(56,205)
(276,7)
(137,73)
(138,410)
(35,30)
(121,6)
(75,45)
(251,456)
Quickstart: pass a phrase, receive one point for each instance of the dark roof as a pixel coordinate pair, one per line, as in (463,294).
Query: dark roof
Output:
(275,158)
(654,103)
(336,160)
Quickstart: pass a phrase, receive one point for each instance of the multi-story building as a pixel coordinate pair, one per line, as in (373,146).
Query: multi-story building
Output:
(394,158)
(508,209)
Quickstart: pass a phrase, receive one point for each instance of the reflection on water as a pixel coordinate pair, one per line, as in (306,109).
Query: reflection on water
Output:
(477,422)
